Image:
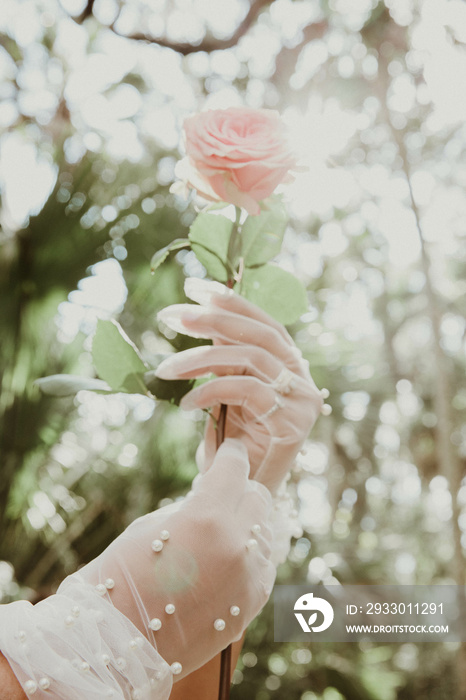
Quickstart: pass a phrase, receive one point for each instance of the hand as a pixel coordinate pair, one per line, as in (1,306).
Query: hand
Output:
(211,563)
(272,400)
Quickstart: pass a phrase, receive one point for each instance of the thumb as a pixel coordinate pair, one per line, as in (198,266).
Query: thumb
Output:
(229,472)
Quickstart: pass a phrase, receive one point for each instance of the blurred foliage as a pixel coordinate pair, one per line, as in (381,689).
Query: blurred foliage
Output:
(376,238)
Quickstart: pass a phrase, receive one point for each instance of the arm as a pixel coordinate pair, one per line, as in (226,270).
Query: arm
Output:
(8,681)
(167,595)
(199,685)
(272,405)
(259,368)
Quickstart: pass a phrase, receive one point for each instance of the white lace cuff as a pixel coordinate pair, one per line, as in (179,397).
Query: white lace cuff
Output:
(77,645)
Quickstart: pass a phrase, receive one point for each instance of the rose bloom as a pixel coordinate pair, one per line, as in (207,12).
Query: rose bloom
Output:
(238,155)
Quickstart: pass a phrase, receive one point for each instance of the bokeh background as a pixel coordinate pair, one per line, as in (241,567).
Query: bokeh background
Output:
(92,98)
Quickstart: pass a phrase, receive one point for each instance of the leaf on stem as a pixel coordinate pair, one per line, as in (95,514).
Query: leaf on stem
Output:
(117,360)
(209,236)
(70,384)
(171,390)
(275,290)
(161,255)
(262,235)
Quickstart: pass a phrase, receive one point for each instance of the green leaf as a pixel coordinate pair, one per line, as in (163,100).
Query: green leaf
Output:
(70,384)
(262,235)
(171,390)
(161,255)
(209,236)
(276,291)
(116,359)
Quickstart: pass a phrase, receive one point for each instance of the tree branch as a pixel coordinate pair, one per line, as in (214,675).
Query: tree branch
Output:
(207,45)
(87,12)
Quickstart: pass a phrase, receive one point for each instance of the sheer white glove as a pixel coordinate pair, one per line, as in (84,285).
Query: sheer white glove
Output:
(206,556)
(211,560)
(261,376)
(176,587)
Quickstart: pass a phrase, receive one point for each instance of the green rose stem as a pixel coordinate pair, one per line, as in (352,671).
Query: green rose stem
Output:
(231,256)
(233,244)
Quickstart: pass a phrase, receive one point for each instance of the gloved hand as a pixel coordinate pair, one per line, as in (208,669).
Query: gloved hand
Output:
(272,400)
(173,590)
(191,576)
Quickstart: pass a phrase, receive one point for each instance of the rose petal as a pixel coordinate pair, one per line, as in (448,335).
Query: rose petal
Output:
(239,155)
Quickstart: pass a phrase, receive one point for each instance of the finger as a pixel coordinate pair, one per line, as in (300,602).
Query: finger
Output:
(227,478)
(269,574)
(206,292)
(231,328)
(258,399)
(221,360)
(249,392)
(200,457)
(258,500)
(264,494)
(263,540)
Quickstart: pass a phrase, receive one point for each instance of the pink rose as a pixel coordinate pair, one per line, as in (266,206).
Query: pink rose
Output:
(239,155)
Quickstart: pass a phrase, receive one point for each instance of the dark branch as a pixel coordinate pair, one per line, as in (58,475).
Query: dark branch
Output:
(87,12)
(207,45)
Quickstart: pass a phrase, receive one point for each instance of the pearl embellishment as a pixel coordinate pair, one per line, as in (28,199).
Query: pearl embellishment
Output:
(164,535)
(219,624)
(251,544)
(170,609)
(326,409)
(44,683)
(176,668)
(256,529)
(22,636)
(234,610)
(30,687)
(75,611)
(69,621)
(100,589)
(157,545)
(155,624)
(136,643)
(106,659)
(109,584)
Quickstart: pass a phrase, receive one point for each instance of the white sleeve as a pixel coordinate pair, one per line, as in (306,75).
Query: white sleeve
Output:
(76,645)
